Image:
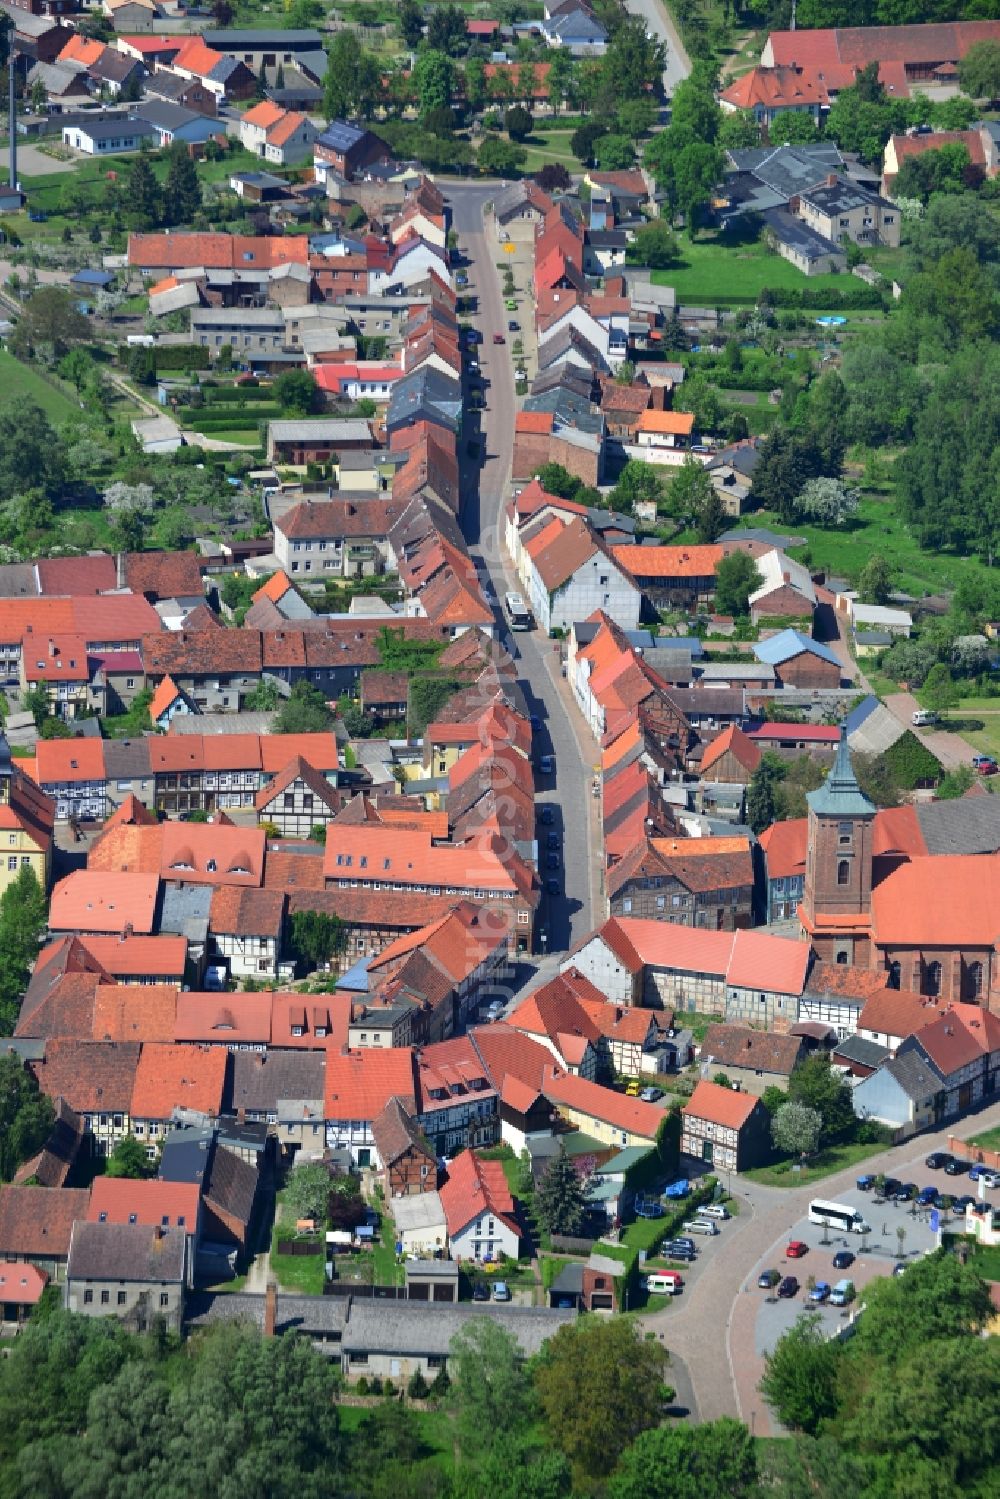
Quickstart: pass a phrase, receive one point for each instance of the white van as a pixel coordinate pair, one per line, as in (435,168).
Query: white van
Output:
(664,1282)
(842,1293)
(702,1226)
(923,718)
(717,1210)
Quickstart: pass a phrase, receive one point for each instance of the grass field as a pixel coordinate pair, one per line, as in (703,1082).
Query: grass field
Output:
(547,146)
(875,528)
(988,1140)
(17,379)
(822,1165)
(294,1272)
(712,270)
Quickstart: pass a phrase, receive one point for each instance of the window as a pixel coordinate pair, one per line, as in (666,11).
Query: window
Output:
(133,1218)
(164,1298)
(88,1297)
(894,975)
(843,872)
(973,986)
(845,832)
(12,861)
(121,1298)
(105,1298)
(932,979)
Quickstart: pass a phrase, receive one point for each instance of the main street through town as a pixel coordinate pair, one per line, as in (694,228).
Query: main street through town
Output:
(568,915)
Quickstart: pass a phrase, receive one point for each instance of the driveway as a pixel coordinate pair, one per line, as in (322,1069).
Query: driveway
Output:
(722,1323)
(569,914)
(950,748)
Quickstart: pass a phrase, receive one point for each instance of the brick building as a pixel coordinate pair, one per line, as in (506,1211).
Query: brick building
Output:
(836,910)
(690,881)
(799,661)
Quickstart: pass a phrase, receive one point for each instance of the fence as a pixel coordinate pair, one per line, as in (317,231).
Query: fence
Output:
(363,1291)
(297,1247)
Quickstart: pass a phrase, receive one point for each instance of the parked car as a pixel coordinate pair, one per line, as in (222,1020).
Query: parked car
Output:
(766,1279)
(632,1088)
(796,1249)
(501,1291)
(546,764)
(498,338)
(937,1159)
(905,1192)
(552,840)
(890,1186)
(954,1168)
(922,718)
(927,1197)
(788,1287)
(547,815)
(960,1204)
(510,304)
(513,326)
(553,861)
(552,886)
(480,1292)
(473,336)
(678,1252)
(716,1210)
(842,1293)
(984,765)
(991,1178)
(820,1291)
(843,1259)
(865,1183)
(495,1009)
(899,1268)
(650,1095)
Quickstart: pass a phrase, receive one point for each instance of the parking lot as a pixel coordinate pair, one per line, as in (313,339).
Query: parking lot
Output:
(900,1232)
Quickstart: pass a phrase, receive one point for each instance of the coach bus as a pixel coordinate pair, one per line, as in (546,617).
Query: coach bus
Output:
(839,1216)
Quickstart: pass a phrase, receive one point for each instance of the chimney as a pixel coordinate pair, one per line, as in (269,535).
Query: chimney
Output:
(270,1309)
(120,570)
(831,180)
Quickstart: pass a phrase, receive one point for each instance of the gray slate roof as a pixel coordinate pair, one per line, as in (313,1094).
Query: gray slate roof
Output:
(258,1082)
(915,1074)
(410,1330)
(857,1049)
(961,827)
(126,1251)
(305,1314)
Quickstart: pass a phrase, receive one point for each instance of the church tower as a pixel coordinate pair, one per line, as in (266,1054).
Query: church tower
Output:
(836,903)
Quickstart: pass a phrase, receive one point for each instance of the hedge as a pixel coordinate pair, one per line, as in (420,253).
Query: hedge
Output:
(816,298)
(226,394)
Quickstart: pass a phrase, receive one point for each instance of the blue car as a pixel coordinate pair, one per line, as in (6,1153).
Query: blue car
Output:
(819,1292)
(927,1196)
(677,1189)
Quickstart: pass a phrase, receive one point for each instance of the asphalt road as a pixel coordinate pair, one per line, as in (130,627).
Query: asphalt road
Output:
(661,23)
(568,915)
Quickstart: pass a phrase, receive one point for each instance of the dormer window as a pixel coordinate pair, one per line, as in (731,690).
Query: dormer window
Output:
(211,866)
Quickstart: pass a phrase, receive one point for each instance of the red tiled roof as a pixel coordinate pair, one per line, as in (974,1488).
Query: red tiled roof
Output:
(760,961)
(37,1221)
(169,1077)
(155,957)
(949,901)
(22,1285)
(587,1098)
(216,251)
(135,1012)
(164,575)
(808,733)
(224,1018)
(720,1105)
(731,739)
(70,760)
(474,1187)
(534,421)
(165,1203)
(897,830)
(860,45)
(359,1084)
(785,846)
(668,562)
(898,1012)
(100,901)
(94,1077)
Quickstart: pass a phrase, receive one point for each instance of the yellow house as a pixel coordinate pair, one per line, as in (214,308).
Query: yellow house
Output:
(26,819)
(610,1117)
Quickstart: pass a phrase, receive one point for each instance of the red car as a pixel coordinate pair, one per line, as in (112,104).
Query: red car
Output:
(498,338)
(796,1249)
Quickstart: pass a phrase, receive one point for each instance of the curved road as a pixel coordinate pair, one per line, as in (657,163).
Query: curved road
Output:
(571,913)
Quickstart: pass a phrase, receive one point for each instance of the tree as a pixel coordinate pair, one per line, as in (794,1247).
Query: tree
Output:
(940,691)
(762,794)
(296,390)
(710,522)
(264,698)
(638,483)
(979,70)
(795,1129)
(938,1298)
(488,1376)
(688,1462)
(560,1200)
(129,1159)
(144,200)
(830,502)
(815,1084)
(499,158)
(182,190)
(599,1384)
(410,21)
(655,245)
(31,455)
(353,78)
(554,178)
(800,1376)
(307,1191)
(446,30)
(519,123)
(876,581)
(635,117)
(434,80)
(316,937)
(584,139)
(614,153)
(955,783)
(557,480)
(516,1468)
(739,130)
(792,129)
(736,578)
(787,462)
(26,1115)
(50,320)
(697,169)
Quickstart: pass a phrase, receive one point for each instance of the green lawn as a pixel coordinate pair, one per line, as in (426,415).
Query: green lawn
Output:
(17,379)
(988,1140)
(713,271)
(547,146)
(875,528)
(296,1272)
(822,1165)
